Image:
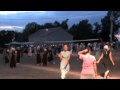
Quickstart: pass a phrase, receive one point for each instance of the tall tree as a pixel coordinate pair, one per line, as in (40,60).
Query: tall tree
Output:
(73,30)
(6,36)
(97,30)
(57,24)
(49,25)
(83,30)
(64,24)
(29,29)
(105,22)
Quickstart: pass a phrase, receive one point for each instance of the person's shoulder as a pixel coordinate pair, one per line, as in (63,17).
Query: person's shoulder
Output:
(93,56)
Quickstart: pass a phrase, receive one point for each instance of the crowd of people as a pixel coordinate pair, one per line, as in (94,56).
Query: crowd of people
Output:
(46,53)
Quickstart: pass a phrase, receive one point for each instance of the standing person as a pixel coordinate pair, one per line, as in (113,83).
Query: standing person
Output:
(18,55)
(22,50)
(6,55)
(50,55)
(13,58)
(89,68)
(44,60)
(29,51)
(38,58)
(107,60)
(41,55)
(64,65)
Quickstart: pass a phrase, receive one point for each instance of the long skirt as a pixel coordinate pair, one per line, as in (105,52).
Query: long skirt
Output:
(44,60)
(12,62)
(64,69)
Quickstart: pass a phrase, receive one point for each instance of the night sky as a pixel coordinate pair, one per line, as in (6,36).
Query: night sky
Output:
(18,19)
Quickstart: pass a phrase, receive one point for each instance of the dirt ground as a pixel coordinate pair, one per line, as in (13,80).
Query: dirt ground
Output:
(28,69)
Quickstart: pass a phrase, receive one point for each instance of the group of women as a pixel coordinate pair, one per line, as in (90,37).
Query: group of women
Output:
(89,66)
(12,56)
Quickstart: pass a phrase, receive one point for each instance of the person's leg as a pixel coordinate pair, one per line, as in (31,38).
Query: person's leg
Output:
(11,63)
(63,74)
(106,74)
(87,76)
(82,77)
(14,63)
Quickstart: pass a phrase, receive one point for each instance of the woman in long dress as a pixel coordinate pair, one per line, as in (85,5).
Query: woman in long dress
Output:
(6,55)
(89,68)
(38,58)
(13,58)
(44,60)
(18,55)
(107,60)
(50,55)
(64,65)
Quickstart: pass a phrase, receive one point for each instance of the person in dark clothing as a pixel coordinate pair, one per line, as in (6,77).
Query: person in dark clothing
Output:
(38,58)
(41,55)
(107,60)
(22,51)
(13,58)
(45,58)
(18,55)
(55,51)
(6,55)
(50,55)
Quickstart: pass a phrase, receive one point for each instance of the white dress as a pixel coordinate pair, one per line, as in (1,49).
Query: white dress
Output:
(63,66)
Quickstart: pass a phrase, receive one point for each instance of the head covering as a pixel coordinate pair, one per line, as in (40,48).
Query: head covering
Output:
(106,47)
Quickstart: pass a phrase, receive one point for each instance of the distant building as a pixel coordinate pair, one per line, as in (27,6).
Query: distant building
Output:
(50,34)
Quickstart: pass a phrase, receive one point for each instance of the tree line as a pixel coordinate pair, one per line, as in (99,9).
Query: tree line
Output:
(83,30)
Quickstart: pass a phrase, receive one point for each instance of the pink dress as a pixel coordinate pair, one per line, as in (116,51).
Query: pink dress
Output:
(87,67)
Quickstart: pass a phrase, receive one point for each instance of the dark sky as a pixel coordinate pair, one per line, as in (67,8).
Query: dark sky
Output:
(18,19)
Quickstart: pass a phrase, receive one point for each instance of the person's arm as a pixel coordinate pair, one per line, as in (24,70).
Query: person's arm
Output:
(95,68)
(60,56)
(82,52)
(100,58)
(111,58)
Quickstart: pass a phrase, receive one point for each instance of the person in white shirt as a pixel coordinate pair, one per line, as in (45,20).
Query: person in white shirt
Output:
(64,65)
